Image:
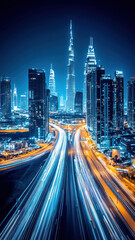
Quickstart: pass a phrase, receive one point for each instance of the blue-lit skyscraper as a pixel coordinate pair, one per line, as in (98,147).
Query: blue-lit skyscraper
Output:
(38,106)
(79,103)
(53,103)
(70,86)
(131,103)
(106,113)
(99,72)
(91,65)
(84,90)
(23,102)
(118,100)
(15,98)
(5,97)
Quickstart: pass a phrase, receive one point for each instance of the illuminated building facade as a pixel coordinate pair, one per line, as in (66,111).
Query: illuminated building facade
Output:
(118,100)
(47,111)
(84,91)
(106,113)
(23,102)
(131,103)
(61,102)
(5,97)
(99,100)
(91,65)
(15,100)
(70,86)
(37,104)
(78,102)
(53,103)
(99,72)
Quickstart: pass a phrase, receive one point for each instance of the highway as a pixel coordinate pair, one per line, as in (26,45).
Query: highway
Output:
(72,224)
(4,165)
(73,195)
(36,209)
(104,205)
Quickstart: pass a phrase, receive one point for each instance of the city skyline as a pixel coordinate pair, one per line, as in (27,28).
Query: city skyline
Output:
(82,87)
(67,120)
(51,42)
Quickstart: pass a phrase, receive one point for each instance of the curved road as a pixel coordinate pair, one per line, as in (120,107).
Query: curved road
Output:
(107,221)
(37,208)
(72,196)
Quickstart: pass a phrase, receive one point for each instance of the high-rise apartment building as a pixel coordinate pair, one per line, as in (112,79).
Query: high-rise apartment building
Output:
(70,86)
(106,113)
(37,104)
(84,90)
(53,103)
(47,100)
(78,103)
(15,98)
(23,102)
(118,100)
(61,102)
(5,97)
(131,103)
(99,72)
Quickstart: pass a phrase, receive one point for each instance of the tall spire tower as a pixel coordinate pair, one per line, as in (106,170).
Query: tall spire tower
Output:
(90,65)
(70,87)
(52,82)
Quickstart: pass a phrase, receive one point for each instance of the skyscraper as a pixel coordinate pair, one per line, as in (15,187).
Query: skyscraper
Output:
(37,104)
(70,86)
(131,103)
(61,102)
(118,100)
(5,97)
(79,102)
(53,103)
(15,100)
(47,111)
(106,113)
(84,90)
(52,82)
(91,65)
(99,72)
(23,102)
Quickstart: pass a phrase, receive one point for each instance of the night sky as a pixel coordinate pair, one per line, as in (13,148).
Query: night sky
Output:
(36,34)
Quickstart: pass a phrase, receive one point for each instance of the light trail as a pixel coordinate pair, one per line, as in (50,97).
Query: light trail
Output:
(116,193)
(104,223)
(42,196)
(48,212)
(4,165)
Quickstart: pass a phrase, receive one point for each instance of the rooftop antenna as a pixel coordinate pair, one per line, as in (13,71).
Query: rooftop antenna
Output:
(70,24)
(91,41)
(71,34)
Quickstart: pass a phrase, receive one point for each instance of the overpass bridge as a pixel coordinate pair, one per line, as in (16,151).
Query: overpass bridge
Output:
(65,116)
